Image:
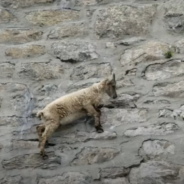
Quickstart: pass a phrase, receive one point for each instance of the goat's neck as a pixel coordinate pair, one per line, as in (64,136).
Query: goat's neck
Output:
(102,96)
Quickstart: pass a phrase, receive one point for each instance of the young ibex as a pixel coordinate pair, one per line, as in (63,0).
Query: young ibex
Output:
(73,106)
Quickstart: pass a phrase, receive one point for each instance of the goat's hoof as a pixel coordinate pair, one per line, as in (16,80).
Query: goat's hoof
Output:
(99,130)
(45,157)
(47,145)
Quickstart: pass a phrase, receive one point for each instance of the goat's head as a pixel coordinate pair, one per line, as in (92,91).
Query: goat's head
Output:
(110,86)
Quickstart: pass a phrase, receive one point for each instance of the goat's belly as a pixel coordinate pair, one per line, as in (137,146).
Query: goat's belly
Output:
(71,118)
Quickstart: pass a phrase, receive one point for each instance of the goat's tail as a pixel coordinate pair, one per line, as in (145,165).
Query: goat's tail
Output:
(40,115)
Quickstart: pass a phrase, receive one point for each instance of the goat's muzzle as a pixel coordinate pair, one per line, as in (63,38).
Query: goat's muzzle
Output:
(115,96)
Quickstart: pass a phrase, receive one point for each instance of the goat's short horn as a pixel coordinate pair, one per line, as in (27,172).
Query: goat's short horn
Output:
(113,76)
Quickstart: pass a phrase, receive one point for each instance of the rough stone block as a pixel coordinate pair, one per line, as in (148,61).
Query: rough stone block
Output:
(68,178)
(170,69)
(16,98)
(93,70)
(23,3)
(156,148)
(114,172)
(151,50)
(75,51)
(154,171)
(173,16)
(118,20)
(117,117)
(69,31)
(11,180)
(6,70)
(6,16)
(154,129)
(18,36)
(92,155)
(173,90)
(32,161)
(25,51)
(52,17)
(115,181)
(41,71)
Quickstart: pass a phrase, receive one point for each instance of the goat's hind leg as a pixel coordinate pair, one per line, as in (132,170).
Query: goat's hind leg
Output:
(40,129)
(49,129)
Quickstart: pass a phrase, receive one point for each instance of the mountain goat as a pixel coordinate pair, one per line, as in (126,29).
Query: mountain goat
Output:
(72,107)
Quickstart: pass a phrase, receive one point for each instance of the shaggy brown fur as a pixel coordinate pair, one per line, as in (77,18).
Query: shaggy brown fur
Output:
(73,106)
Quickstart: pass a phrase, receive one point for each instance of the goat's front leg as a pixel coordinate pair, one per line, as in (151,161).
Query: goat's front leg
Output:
(96,113)
(49,129)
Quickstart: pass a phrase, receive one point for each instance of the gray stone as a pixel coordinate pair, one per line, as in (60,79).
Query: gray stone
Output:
(23,3)
(72,137)
(151,50)
(51,17)
(69,30)
(94,155)
(166,113)
(6,70)
(179,112)
(180,46)
(93,70)
(25,51)
(46,89)
(122,83)
(174,16)
(32,161)
(131,41)
(174,22)
(155,129)
(21,144)
(82,84)
(11,180)
(172,90)
(68,178)
(6,16)
(18,36)
(115,181)
(118,20)
(170,69)
(114,172)
(152,102)
(117,117)
(156,148)
(19,96)
(157,172)
(125,100)
(12,121)
(106,135)
(88,2)
(174,6)
(110,45)
(74,51)
(41,71)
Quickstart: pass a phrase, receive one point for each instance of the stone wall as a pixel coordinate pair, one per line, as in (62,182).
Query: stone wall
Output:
(49,48)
